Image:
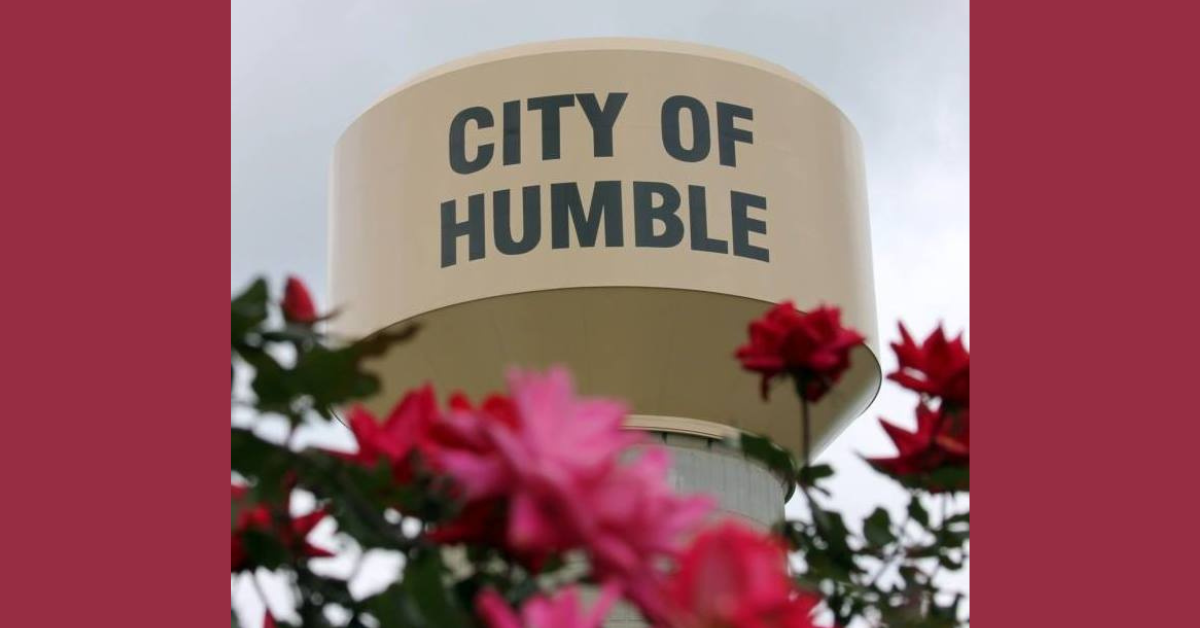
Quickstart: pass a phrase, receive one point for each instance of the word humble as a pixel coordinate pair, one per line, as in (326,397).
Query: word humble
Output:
(656,206)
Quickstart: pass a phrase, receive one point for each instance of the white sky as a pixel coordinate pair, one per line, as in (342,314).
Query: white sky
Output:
(301,70)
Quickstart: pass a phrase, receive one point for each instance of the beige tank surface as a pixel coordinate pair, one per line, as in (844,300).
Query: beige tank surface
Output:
(623,207)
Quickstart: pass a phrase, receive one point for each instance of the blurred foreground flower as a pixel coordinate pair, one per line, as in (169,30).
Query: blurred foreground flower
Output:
(636,521)
(257,518)
(399,437)
(552,463)
(734,577)
(564,610)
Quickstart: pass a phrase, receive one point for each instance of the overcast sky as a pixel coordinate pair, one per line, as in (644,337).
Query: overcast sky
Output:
(301,70)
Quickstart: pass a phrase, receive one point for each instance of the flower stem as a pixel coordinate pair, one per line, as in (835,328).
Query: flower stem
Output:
(805,424)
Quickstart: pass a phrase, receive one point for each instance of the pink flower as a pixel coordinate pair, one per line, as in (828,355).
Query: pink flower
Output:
(463,444)
(564,610)
(636,520)
(544,469)
(560,433)
(541,460)
(733,577)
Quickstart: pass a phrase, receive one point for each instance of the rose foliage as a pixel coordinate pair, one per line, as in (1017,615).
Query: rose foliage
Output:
(535,508)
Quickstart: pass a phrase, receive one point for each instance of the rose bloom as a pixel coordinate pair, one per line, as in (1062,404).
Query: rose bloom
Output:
(259,517)
(563,610)
(417,432)
(941,441)
(482,520)
(538,458)
(734,577)
(636,522)
(814,348)
(539,472)
(545,468)
(298,303)
(937,367)
(399,437)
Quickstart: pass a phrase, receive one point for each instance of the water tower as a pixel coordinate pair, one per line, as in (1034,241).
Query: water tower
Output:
(623,207)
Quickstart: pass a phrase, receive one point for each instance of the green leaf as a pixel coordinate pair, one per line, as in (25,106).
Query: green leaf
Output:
(274,387)
(332,376)
(949,563)
(432,598)
(380,343)
(392,608)
(917,511)
(878,529)
(263,549)
(954,479)
(955,532)
(923,551)
(810,475)
(828,550)
(294,334)
(792,532)
(266,463)
(831,528)
(774,457)
(249,310)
